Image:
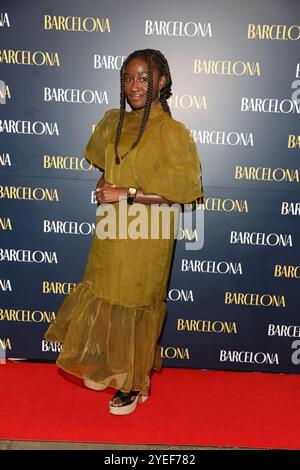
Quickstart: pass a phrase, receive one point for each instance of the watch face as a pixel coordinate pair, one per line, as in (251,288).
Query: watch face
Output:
(131,191)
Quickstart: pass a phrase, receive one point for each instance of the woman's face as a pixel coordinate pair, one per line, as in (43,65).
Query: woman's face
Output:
(136,83)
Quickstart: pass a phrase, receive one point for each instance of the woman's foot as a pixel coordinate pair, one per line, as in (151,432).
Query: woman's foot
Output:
(94,385)
(124,403)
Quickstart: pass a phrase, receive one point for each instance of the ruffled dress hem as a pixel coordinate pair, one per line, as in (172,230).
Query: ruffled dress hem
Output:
(107,342)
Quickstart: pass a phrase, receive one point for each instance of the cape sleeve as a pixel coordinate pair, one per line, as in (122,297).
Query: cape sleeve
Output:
(174,169)
(95,148)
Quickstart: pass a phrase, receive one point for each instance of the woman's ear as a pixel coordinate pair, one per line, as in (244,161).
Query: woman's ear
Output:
(162,81)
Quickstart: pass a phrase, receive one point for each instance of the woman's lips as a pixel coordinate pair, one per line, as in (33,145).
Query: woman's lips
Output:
(136,97)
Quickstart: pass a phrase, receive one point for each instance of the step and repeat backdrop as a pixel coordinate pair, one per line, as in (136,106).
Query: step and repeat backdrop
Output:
(235,65)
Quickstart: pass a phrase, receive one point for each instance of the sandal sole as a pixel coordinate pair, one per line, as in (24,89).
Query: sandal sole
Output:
(94,385)
(126,410)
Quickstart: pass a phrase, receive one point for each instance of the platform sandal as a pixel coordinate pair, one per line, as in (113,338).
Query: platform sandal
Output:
(124,403)
(94,385)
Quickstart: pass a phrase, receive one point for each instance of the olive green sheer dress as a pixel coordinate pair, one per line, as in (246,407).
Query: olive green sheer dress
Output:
(110,325)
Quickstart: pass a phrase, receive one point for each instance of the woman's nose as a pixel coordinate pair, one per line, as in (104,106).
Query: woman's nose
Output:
(135,85)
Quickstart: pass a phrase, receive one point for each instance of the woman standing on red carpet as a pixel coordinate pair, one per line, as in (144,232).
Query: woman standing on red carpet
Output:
(111,323)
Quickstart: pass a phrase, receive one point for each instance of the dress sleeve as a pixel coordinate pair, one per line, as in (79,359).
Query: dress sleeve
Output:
(95,148)
(175,169)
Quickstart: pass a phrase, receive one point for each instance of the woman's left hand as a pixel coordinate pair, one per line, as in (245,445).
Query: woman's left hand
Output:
(111,193)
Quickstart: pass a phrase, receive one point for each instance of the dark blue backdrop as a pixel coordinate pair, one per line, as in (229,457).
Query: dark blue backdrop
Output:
(216,334)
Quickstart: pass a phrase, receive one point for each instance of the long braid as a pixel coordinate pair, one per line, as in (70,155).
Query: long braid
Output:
(148,55)
(165,92)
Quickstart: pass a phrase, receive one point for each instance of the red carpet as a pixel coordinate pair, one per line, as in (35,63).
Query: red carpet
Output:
(186,407)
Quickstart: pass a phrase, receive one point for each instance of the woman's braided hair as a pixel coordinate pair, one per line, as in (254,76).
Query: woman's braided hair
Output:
(150,56)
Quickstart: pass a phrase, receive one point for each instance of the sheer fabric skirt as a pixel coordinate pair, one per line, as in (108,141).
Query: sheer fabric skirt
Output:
(110,324)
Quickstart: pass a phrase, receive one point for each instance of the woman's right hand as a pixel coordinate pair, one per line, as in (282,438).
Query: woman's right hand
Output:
(101,184)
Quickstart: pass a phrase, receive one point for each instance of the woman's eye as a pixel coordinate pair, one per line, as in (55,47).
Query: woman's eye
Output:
(142,79)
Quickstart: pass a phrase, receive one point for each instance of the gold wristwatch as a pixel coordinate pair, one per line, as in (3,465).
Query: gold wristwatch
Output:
(131,193)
